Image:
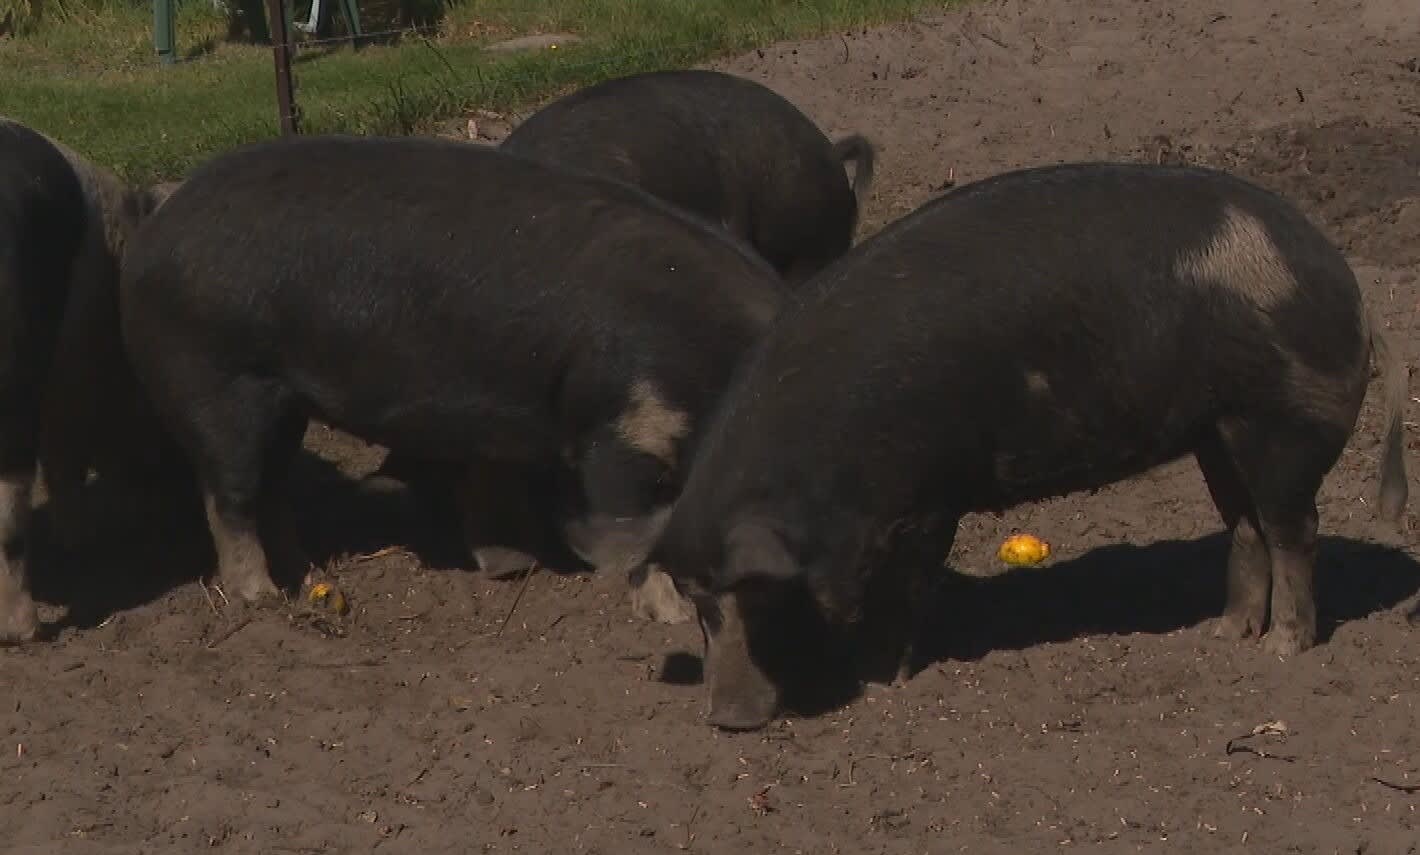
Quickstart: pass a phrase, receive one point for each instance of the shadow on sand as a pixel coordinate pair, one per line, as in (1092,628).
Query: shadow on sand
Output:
(1155,589)
(137,559)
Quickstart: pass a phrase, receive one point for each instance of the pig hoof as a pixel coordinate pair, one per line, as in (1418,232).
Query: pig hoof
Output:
(656,599)
(380,484)
(253,589)
(899,680)
(1237,627)
(502,563)
(19,621)
(740,717)
(1284,643)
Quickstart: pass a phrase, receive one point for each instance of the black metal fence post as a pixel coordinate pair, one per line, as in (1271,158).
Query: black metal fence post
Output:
(281,52)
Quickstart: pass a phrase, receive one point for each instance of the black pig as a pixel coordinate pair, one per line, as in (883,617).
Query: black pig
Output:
(63,225)
(460,304)
(723,147)
(1037,333)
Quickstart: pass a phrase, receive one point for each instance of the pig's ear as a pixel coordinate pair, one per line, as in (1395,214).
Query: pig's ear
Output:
(755,551)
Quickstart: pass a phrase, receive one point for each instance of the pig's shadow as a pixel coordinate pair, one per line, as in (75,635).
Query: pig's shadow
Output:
(1158,588)
(130,566)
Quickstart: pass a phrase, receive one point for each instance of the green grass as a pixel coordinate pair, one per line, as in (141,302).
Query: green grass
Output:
(88,75)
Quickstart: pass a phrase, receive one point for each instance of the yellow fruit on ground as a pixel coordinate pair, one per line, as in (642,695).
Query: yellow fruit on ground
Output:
(1023,549)
(330,596)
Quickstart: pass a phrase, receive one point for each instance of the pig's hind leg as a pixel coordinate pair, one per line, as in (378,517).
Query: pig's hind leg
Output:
(19,620)
(1249,566)
(242,439)
(1281,463)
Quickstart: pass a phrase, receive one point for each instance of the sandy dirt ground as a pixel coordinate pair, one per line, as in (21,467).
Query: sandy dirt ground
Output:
(1081,703)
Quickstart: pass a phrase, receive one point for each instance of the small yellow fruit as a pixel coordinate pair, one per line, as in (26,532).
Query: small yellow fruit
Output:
(1023,549)
(329,595)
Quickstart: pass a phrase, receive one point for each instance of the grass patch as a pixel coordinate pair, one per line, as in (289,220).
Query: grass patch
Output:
(87,73)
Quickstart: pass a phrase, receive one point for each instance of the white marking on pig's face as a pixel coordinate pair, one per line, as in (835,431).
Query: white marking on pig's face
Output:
(651,425)
(1241,257)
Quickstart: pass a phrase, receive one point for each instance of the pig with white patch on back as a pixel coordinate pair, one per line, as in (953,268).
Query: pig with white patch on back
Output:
(1037,333)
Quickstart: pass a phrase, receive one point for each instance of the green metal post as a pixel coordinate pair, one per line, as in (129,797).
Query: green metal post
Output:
(351,8)
(164,35)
